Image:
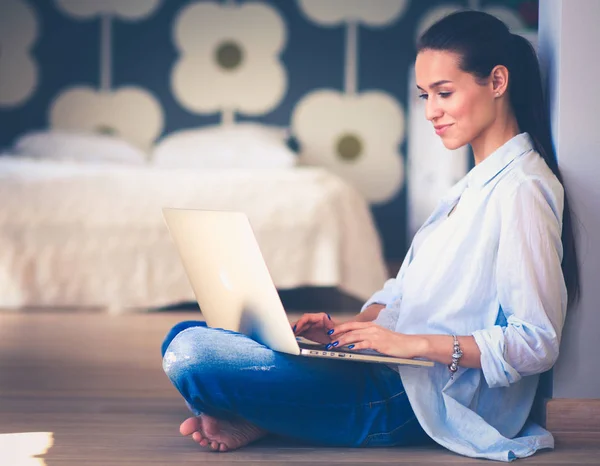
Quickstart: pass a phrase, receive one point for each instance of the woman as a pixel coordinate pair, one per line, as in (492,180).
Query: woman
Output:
(482,291)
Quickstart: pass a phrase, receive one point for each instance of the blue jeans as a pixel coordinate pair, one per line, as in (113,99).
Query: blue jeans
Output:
(334,403)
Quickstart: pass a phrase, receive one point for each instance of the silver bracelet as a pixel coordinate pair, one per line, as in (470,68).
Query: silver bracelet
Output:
(456,355)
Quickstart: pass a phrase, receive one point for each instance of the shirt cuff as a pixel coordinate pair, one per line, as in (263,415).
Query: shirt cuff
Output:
(496,370)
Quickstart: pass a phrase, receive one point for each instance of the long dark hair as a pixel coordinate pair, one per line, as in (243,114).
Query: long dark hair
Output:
(483,42)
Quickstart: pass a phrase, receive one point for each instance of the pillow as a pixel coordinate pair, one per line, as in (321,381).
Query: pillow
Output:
(241,145)
(70,146)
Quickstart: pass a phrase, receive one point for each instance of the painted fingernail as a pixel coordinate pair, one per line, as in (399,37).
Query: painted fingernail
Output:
(330,332)
(328,346)
(350,346)
(294,329)
(329,316)
(335,343)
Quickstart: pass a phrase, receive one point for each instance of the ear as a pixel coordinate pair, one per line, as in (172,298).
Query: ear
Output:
(499,80)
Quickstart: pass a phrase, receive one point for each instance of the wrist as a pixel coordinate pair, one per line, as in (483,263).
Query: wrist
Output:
(376,306)
(422,347)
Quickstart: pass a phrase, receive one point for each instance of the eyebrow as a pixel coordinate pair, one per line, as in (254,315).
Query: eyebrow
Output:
(436,84)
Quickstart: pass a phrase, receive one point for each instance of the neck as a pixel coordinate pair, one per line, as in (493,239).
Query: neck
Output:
(494,137)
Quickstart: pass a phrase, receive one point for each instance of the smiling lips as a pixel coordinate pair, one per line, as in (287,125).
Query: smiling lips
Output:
(441,129)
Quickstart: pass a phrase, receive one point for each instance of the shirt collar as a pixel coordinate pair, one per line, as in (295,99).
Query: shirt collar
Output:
(498,160)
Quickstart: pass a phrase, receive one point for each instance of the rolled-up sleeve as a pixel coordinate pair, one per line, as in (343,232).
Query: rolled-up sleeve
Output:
(531,287)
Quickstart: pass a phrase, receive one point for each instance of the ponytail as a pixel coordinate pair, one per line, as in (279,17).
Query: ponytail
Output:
(530,108)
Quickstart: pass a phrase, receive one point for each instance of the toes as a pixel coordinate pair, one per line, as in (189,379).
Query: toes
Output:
(198,437)
(214,445)
(189,426)
(223,447)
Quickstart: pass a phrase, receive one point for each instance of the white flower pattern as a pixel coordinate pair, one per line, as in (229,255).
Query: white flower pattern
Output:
(367,12)
(355,136)
(18,70)
(229,58)
(124,9)
(129,112)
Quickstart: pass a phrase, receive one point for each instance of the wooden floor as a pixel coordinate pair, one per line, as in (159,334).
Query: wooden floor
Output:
(89,389)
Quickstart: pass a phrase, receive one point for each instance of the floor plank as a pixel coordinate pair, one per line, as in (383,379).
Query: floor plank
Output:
(94,381)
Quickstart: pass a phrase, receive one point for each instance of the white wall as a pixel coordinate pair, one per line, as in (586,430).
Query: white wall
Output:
(569,49)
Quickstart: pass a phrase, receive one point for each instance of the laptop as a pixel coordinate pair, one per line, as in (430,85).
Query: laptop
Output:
(234,289)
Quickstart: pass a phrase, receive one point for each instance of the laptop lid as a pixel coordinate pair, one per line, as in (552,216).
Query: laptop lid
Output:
(229,276)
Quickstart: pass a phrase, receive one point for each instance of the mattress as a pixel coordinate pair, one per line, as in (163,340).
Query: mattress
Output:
(84,235)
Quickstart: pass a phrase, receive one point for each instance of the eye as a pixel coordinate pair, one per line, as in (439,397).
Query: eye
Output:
(445,95)
(423,96)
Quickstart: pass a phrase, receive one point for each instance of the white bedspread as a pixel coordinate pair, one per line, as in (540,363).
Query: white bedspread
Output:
(93,235)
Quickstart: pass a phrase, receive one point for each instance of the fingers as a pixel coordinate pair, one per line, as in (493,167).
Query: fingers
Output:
(307,321)
(327,323)
(350,326)
(357,345)
(355,335)
(355,339)
(302,324)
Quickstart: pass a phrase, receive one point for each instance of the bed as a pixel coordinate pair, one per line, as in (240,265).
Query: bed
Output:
(91,234)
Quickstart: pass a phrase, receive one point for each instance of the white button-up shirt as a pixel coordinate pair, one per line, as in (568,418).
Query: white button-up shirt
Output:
(492,270)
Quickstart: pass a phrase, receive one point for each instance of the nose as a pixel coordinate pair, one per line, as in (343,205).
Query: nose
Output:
(432,109)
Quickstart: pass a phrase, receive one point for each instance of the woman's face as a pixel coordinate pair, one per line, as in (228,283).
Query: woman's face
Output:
(459,107)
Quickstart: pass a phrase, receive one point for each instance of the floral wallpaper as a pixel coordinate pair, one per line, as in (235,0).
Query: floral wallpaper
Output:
(337,73)
(18,68)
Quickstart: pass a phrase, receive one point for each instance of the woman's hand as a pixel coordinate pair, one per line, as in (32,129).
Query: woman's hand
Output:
(367,335)
(314,327)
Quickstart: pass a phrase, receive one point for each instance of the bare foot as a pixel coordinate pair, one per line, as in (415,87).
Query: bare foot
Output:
(220,434)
